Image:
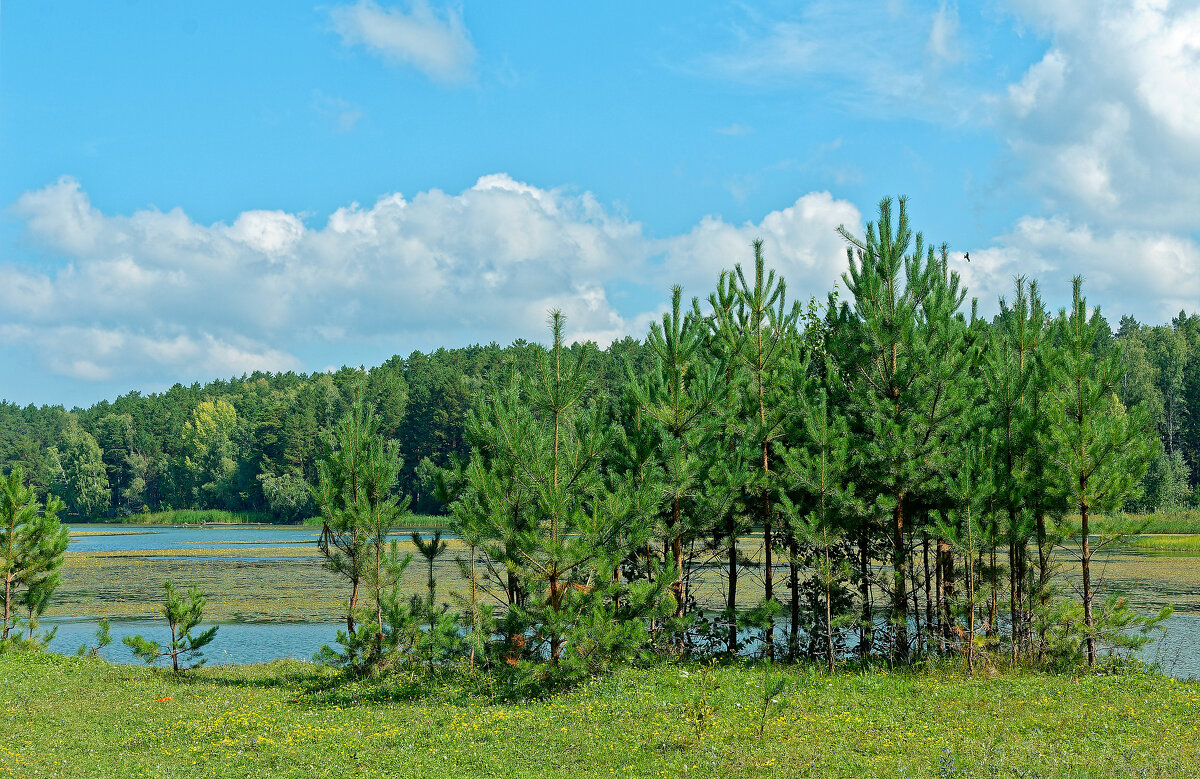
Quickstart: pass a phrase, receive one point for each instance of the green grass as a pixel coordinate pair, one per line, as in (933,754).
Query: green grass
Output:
(194,517)
(1165,542)
(73,717)
(414,521)
(1178,522)
(219,517)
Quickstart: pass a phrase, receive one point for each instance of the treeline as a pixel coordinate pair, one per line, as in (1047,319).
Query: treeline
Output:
(252,444)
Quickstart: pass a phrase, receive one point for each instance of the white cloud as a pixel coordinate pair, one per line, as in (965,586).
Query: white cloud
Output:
(1106,126)
(1149,274)
(895,61)
(800,241)
(437,45)
(156,296)
(943,35)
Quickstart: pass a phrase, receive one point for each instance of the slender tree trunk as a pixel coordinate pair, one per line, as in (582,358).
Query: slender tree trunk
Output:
(677,556)
(474,612)
(1014,622)
(940,594)
(8,597)
(1043,572)
(794,587)
(916,596)
(828,605)
(970,599)
(731,604)
(930,623)
(769,577)
(1087,579)
(864,591)
(353,606)
(946,564)
(900,593)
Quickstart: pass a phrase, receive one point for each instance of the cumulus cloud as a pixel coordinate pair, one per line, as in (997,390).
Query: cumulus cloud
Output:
(157,296)
(437,45)
(1106,125)
(1149,274)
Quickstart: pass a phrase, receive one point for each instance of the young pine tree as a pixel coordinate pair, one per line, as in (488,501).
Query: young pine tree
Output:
(1097,450)
(1010,368)
(761,325)
(822,468)
(902,349)
(32,545)
(677,398)
(183,616)
(360,509)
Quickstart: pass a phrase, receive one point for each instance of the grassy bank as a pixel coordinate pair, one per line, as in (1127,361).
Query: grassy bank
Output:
(1178,522)
(1165,542)
(219,517)
(193,517)
(70,717)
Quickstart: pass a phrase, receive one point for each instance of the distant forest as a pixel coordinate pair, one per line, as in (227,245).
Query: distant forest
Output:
(252,443)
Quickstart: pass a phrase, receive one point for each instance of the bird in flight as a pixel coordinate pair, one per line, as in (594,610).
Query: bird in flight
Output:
(967,256)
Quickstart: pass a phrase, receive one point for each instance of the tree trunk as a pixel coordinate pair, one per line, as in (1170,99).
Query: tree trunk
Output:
(8,593)
(769,577)
(994,603)
(828,606)
(916,598)
(946,585)
(794,587)
(1014,622)
(731,603)
(353,606)
(677,556)
(864,591)
(556,605)
(930,623)
(900,593)
(1087,581)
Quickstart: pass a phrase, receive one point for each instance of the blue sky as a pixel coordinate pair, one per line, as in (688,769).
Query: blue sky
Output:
(196,191)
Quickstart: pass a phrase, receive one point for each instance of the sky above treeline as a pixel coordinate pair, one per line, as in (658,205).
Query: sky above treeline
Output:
(193,191)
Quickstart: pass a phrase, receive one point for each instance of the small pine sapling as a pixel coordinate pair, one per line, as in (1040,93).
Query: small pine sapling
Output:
(772,687)
(183,615)
(103,639)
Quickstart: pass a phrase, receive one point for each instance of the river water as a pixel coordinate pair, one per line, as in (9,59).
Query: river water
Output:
(1149,580)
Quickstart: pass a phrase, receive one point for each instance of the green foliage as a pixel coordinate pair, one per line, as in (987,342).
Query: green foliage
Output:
(1114,626)
(1097,450)
(83,482)
(288,495)
(32,544)
(1166,483)
(183,615)
(209,450)
(103,639)
(903,350)
(360,510)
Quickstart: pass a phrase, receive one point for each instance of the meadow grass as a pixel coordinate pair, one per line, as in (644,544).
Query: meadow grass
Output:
(1166,542)
(1184,521)
(221,517)
(194,517)
(83,717)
